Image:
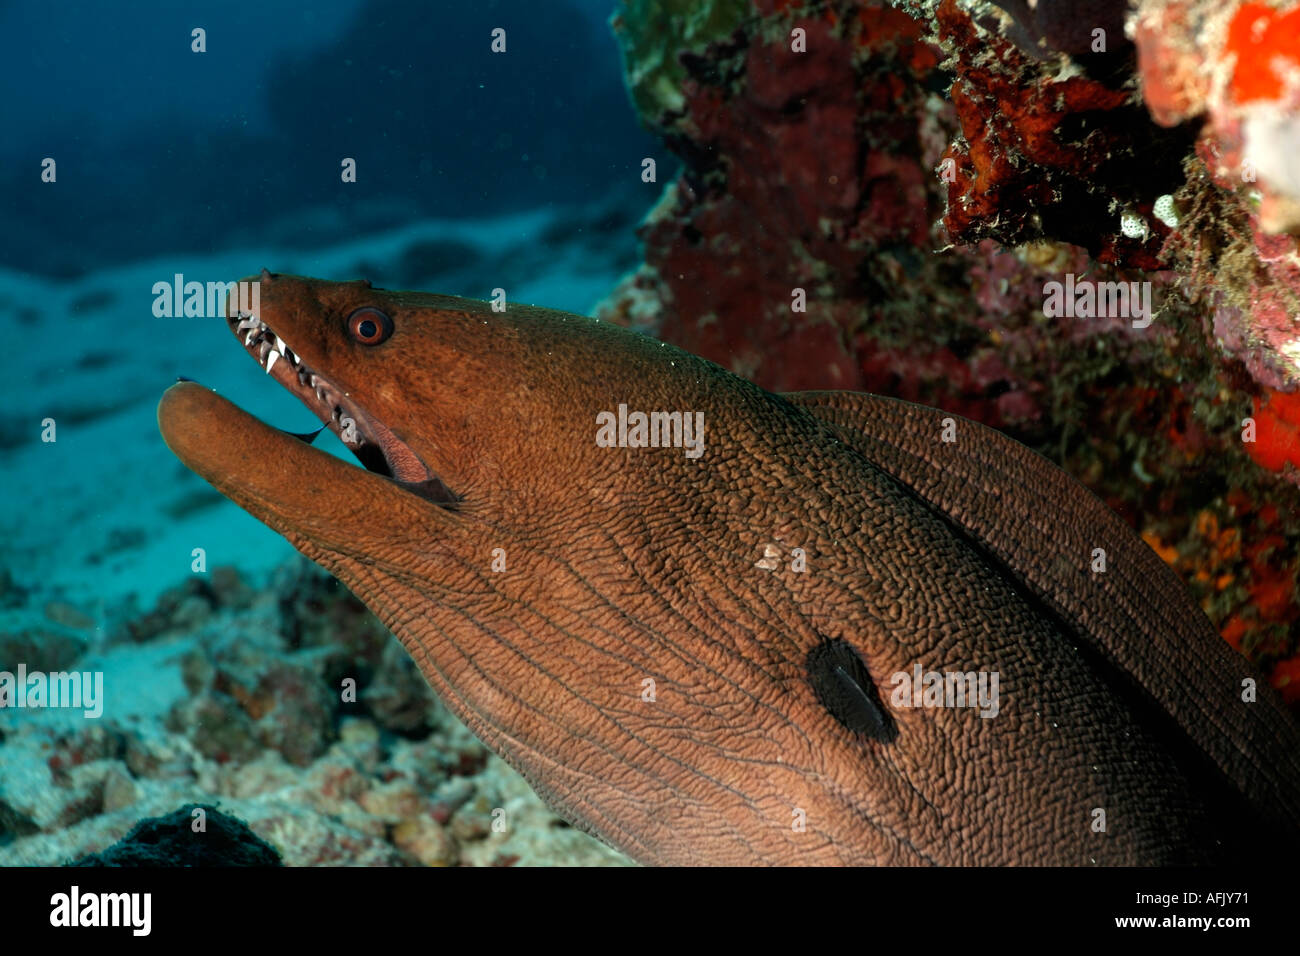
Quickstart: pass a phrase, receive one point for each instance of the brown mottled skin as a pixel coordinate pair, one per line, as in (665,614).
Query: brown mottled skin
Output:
(625,564)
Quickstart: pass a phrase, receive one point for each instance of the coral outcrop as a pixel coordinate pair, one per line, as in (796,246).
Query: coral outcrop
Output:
(191,836)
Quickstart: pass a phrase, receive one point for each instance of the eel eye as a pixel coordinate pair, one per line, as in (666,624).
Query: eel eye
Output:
(369,326)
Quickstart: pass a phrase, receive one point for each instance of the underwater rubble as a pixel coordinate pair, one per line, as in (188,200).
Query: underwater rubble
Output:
(291,709)
(890,197)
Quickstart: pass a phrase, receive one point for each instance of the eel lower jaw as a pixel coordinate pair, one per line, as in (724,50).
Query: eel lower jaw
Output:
(376,447)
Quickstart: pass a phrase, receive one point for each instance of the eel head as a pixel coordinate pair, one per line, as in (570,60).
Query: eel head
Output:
(392,374)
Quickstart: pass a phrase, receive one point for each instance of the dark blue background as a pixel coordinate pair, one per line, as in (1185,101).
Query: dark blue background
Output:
(162,150)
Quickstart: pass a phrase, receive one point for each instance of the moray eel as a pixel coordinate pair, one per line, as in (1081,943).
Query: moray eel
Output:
(701,652)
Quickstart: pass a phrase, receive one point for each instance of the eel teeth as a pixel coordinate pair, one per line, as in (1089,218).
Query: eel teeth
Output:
(271,359)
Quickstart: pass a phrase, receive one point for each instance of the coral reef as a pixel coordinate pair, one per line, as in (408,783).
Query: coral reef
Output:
(879,196)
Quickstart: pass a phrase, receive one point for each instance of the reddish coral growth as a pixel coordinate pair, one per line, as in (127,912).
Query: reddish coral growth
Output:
(1277,430)
(1233,630)
(766,7)
(980,387)
(1286,680)
(1174,85)
(1260,562)
(1048,157)
(799,169)
(1267,44)
(888,30)
(1183,431)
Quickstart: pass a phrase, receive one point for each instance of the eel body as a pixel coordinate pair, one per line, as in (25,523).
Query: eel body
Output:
(791,629)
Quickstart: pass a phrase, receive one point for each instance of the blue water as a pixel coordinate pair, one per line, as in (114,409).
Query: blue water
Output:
(162,149)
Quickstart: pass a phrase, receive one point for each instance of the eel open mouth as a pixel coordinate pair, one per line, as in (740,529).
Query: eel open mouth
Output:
(376,447)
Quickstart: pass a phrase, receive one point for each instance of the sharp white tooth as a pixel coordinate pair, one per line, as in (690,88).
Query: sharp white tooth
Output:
(313,380)
(248,339)
(271,360)
(247,322)
(320,393)
(279,343)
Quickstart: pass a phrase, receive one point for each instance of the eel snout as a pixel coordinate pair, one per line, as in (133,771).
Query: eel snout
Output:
(375,446)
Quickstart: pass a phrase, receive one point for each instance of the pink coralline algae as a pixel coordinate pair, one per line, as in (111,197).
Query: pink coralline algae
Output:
(1236,67)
